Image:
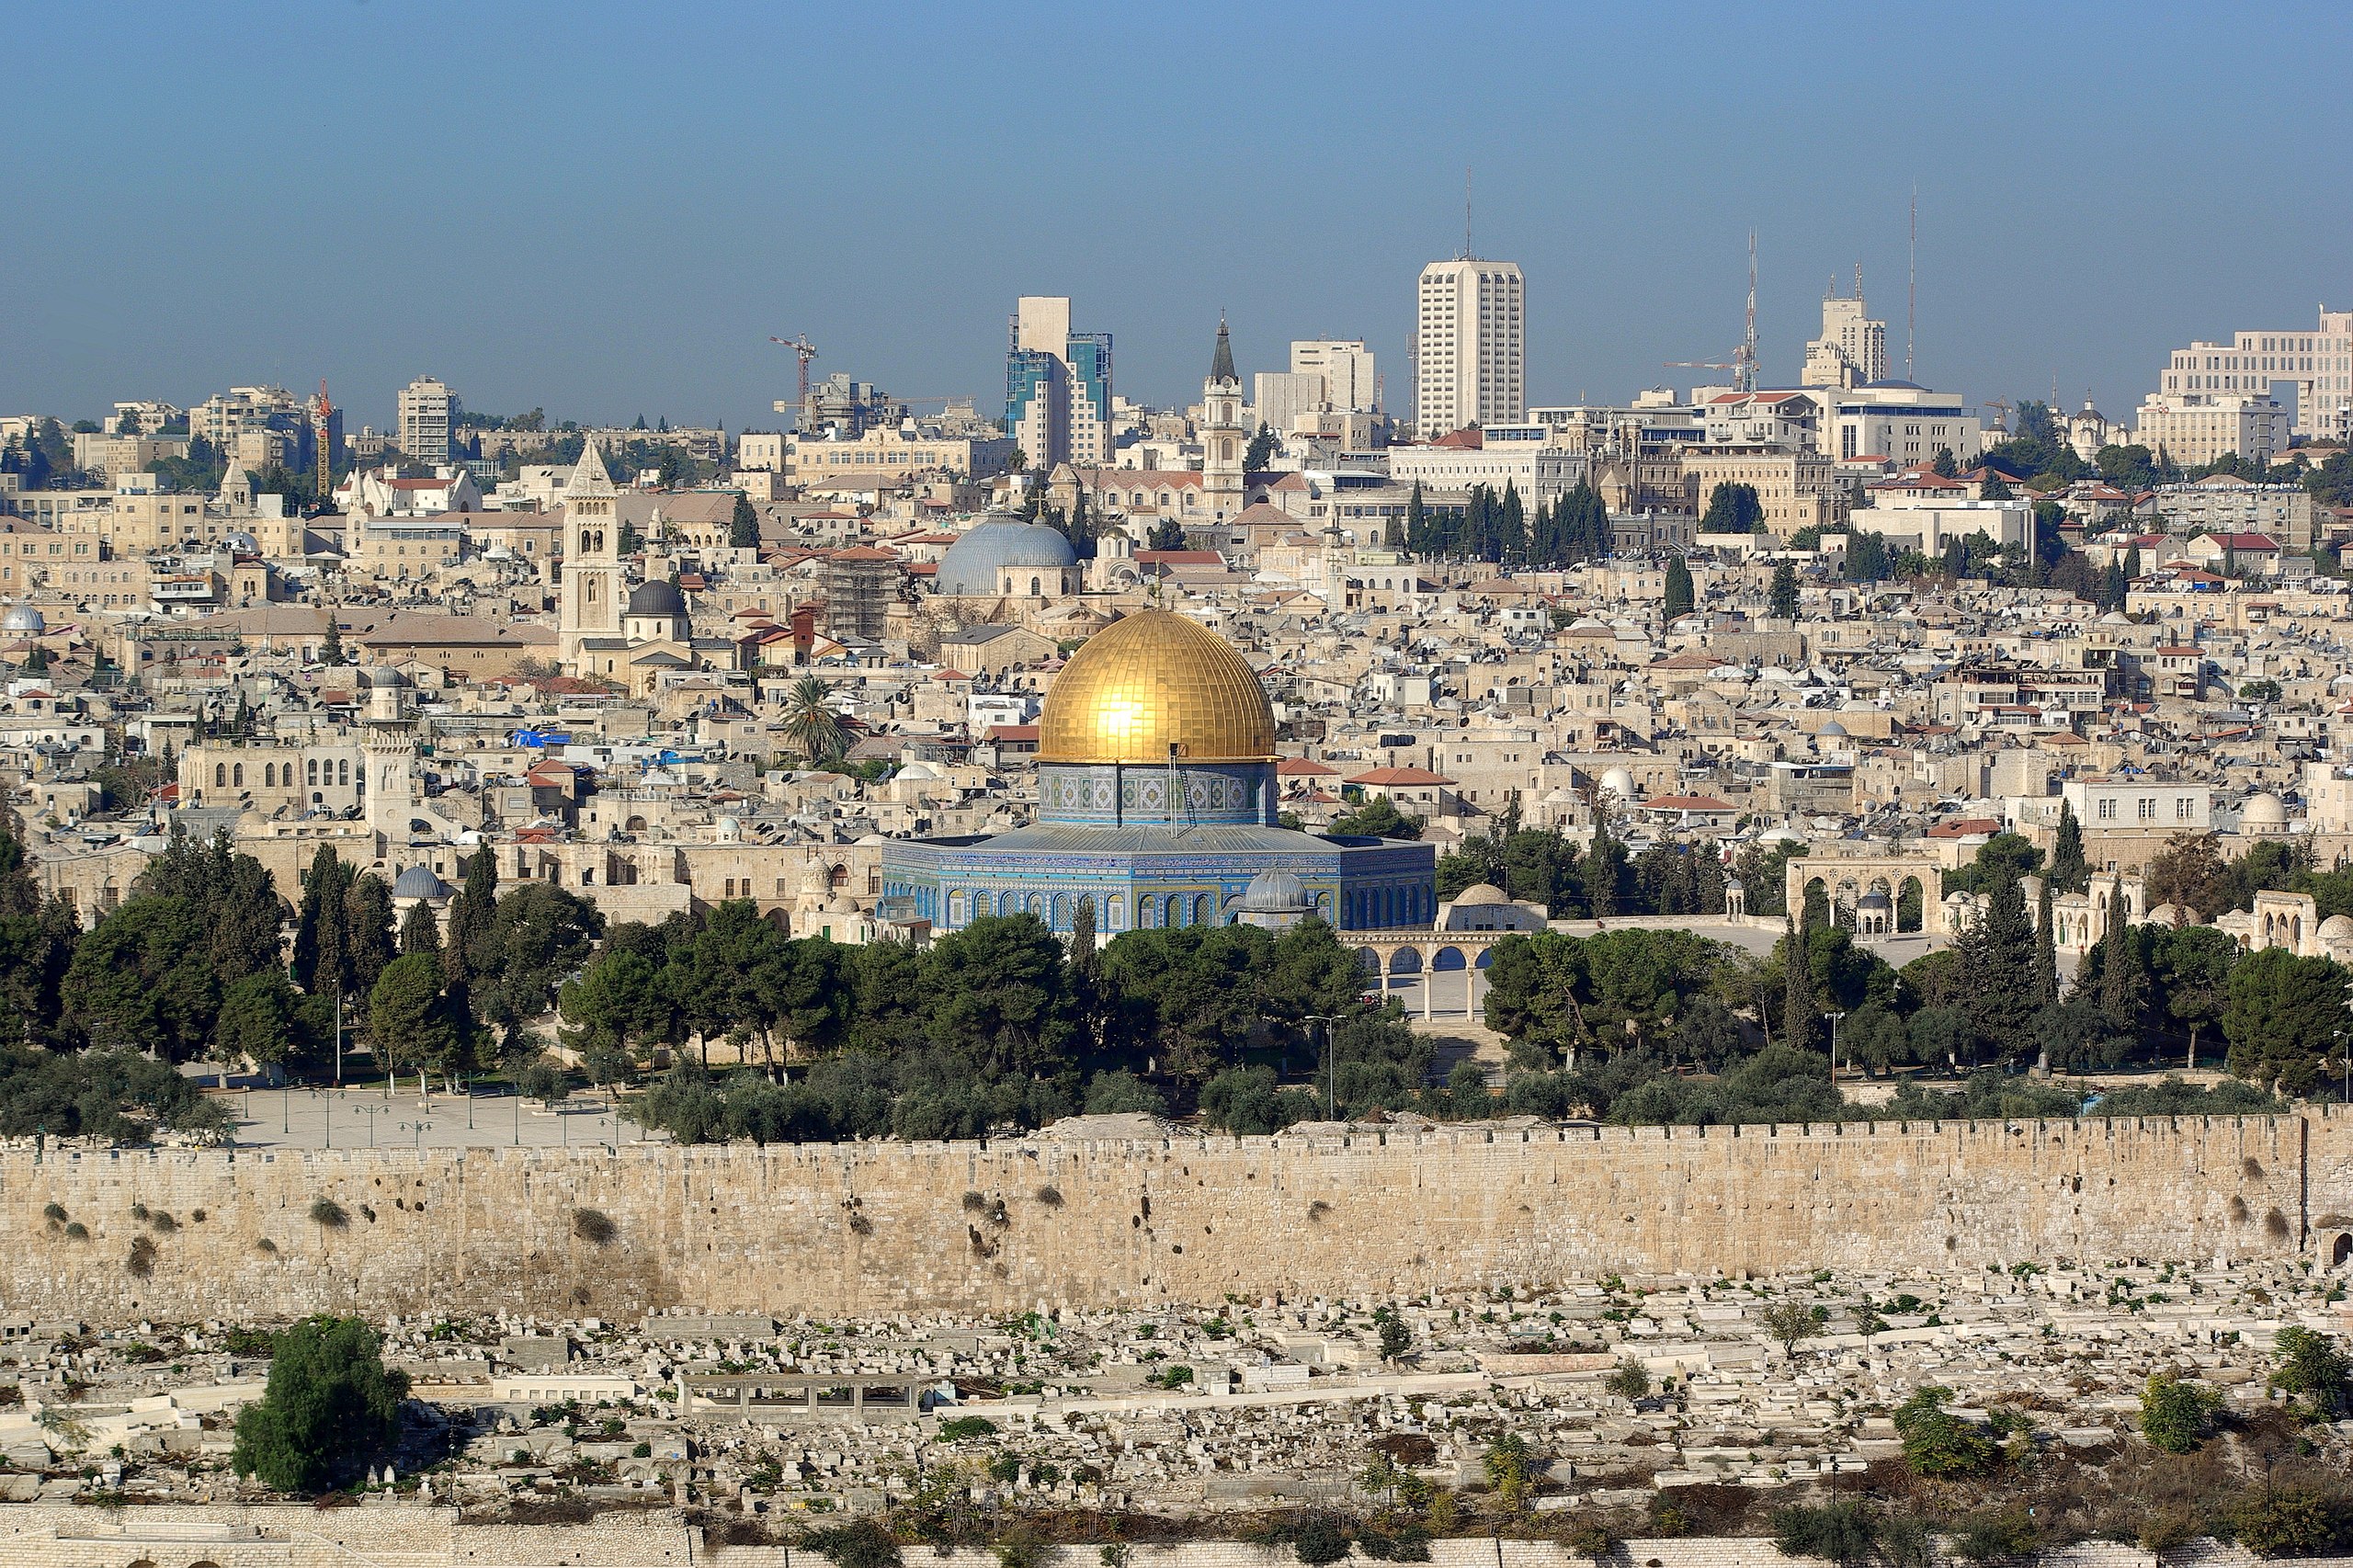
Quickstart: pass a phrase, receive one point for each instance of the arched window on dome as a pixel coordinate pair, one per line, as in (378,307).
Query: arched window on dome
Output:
(1323,908)
(980,906)
(1116,911)
(1175,910)
(1147,913)
(1059,919)
(1203,909)
(955,909)
(1037,589)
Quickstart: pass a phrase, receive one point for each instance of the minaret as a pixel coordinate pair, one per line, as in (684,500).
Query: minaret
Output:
(1224,441)
(590,598)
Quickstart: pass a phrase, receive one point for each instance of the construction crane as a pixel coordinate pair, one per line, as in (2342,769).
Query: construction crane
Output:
(1743,363)
(2002,406)
(322,418)
(803,350)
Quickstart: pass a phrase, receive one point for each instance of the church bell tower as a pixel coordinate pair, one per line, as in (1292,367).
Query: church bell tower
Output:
(1224,441)
(589,604)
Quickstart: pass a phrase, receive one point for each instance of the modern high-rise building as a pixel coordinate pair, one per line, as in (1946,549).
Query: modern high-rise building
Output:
(1852,349)
(1346,365)
(1471,346)
(1057,385)
(2319,361)
(1277,399)
(429,413)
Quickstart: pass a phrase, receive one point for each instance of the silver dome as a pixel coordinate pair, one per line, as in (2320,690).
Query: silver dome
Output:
(23,618)
(970,567)
(1274,893)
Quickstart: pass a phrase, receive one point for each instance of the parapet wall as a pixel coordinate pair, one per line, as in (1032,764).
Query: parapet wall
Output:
(984,1227)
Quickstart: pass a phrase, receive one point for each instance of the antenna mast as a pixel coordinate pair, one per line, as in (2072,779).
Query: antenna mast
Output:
(1912,289)
(1466,212)
(1744,368)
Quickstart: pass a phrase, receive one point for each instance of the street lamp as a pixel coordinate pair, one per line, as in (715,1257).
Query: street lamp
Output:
(417,1127)
(1834,1045)
(1331,1065)
(371,1112)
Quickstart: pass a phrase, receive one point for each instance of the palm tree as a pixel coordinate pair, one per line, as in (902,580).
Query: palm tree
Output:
(812,727)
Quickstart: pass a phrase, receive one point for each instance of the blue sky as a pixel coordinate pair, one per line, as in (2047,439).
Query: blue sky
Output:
(605,210)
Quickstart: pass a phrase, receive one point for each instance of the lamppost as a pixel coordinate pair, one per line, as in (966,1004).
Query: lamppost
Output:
(1331,1065)
(417,1127)
(371,1112)
(1834,1045)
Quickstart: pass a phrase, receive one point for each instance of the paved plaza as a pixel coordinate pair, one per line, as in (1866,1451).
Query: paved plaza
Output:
(492,1117)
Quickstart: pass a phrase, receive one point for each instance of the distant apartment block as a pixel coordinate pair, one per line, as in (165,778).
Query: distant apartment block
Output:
(1057,385)
(1471,346)
(2318,360)
(2191,428)
(429,413)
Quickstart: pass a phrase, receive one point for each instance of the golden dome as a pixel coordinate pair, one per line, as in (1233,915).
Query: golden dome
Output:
(1150,681)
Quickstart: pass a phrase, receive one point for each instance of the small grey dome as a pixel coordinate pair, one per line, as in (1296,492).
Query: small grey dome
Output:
(419,882)
(970,565)
(1274,893)
(1874,900)
(1479,893)
(23,618)
(657,598)
(381,676)
(240,544)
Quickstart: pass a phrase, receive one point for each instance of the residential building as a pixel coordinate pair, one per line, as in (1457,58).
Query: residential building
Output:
(2194,428)
(2318,360)
(429,413)
(1470,333)
(1057,385)
(1540,470)
(2224,502)
(1797,489)
(1346,365)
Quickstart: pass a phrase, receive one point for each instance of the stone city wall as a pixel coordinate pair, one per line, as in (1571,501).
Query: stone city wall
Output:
(987,1227)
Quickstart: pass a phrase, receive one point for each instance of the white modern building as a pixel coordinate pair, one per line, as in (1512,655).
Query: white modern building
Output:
(429,413)
(2191,428)
(1471,345)
(2318,360)
(1901,421)
(1057,385)
(1539,469)
(1350,382)
(1278,398)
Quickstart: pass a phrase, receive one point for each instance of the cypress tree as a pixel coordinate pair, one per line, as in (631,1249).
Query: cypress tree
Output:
(2069,870)
(1799,1019)
(1679,595)
(2046,950)
(2123,979)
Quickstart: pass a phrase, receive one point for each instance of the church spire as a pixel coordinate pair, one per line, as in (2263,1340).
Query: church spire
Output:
(589,475)
(1222,363)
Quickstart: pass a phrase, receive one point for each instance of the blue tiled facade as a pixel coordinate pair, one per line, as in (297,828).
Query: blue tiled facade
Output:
(1156,846)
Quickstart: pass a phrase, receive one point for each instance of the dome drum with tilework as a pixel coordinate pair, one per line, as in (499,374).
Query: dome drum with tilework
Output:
(1154,687)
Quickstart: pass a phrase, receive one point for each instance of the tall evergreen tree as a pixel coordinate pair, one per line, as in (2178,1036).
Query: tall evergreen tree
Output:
(2123,979)
(1679,595)
(2046,950)
(1997,964)
(1511,526)
(2069,870)
(1800,1020)
(420,932)
(1605,863)
(1782,603)
(1417,538)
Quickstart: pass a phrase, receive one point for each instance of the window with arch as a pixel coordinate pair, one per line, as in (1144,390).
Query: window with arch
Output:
(220,775)
(1204,909)
(238,775)
(956,907)
(1116,909)
(311,770)
(1174,914)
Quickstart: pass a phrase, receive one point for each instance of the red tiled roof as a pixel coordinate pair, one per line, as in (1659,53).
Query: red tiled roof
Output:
(1387,777)
(1688,803)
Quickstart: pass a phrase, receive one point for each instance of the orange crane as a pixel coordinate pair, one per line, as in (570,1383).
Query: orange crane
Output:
(803,350)
(324,429)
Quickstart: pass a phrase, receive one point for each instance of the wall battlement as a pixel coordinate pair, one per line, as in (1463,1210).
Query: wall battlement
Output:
(1006,1224)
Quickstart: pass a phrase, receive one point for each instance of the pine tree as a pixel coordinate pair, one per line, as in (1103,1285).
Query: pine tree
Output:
(1998,965)
(743,528)
(1679,595)
(2069,871)
(1417,522)
(1783,604)
(1799,1019)
(420,932)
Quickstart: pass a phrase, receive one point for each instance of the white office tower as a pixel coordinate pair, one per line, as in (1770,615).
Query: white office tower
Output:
(1852,349)
(1346,365)
(1471,346)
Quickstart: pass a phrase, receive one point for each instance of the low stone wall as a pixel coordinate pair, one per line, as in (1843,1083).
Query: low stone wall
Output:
(987,1227)
(407,1535)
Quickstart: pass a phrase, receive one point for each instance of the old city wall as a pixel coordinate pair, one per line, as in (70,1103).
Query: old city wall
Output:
(1007,1224)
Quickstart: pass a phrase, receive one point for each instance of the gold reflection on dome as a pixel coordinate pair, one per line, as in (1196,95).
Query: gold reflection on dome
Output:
(1149,681)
